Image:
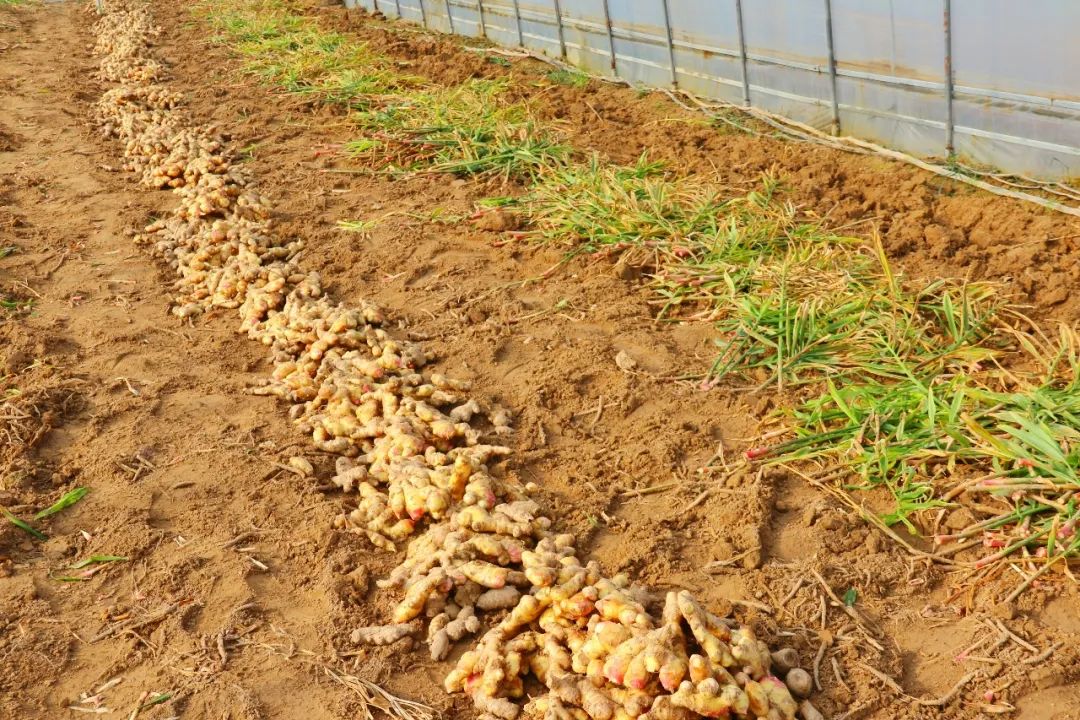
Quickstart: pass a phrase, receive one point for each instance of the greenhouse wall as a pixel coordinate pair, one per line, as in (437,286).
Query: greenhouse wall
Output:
(873,69)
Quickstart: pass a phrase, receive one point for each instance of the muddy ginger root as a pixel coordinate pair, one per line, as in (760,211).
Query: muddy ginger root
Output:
(500,708)
(499,599)
(548,707)
(383,634)
(443,631)
(349,475)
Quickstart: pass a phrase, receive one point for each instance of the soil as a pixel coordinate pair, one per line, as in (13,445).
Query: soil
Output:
(153,416)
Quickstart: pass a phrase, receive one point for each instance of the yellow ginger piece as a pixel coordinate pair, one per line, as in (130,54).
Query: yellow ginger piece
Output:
(552,668)
(618,662)
(602,639)
(490,666)
(481,455)
(708,698)
(637,674)
(749,653)
(484,573)
(596,703)
(544,563)
(527,610)
(702,626)
(665,654)
(478,519)
(577,607)
(573,579)
(757,698)
(538,571)
(664,709)
(634,702)
(481,490)
(548,707)
(701,667)
(422,554)
(462,470)
(417,594)
(464,669)
(492,670)
(498,549)
(780,699)
(560,630)
(616,604)
(424,500)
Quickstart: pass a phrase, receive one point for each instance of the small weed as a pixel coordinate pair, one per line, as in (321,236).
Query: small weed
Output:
(465,130)
(729,121)
(63,503)
(16,305)
(496,202)
(568,77)
(247,153)
(357,226)
(23,525)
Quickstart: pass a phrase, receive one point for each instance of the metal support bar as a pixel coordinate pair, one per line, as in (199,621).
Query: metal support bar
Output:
(450,17)
(483,24)
(610,38)
(423,14)
(742,54)
(832,67)
(562,38)
(517,19)
(670,45)
(949,118)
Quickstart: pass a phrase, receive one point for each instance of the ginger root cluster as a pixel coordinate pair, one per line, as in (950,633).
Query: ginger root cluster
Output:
(413,455)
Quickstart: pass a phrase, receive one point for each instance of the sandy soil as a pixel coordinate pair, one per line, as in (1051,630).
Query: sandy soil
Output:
(152,414)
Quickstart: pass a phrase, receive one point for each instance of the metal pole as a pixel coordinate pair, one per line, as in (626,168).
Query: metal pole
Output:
(517,18)
(449,17)
(558,22)
(610,39)
(483,25)
(832,68)
(423,14)
(742,54)
(949,119)
(397,7)
(670,45)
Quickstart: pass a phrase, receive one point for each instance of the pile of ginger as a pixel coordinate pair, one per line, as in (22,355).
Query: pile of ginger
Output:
(412,452)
